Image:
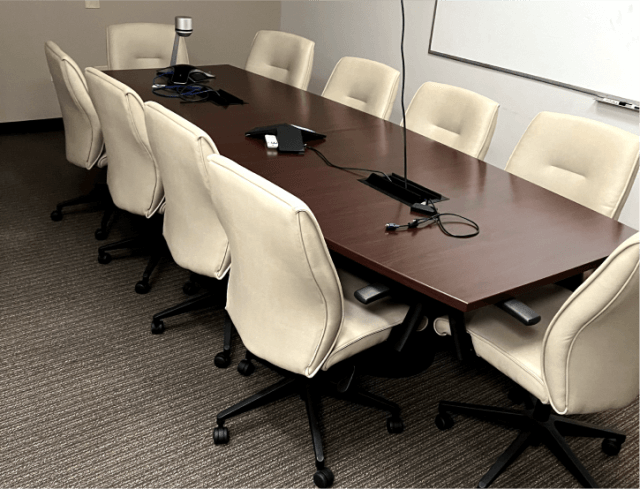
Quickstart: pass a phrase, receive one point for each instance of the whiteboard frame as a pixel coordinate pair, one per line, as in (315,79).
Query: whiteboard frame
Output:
(587,91)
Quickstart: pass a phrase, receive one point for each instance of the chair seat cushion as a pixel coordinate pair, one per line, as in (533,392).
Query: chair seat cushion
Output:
(363,326)
(510,346)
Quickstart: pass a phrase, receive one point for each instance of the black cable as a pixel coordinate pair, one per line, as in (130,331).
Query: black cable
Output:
(468,223)
(436,218)
(404,121)
(170,88)
(182,92)
(195,92)
(328,163)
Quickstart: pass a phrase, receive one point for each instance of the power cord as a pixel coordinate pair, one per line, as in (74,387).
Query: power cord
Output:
(435,216)
(404,115)
(328,163)
(190,92)
(416,222)
(437,219)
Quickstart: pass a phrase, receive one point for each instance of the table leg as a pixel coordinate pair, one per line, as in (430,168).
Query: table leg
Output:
(461,339)
(571,283)
(412,320)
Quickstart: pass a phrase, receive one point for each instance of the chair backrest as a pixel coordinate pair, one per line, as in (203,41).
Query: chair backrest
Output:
(282,56)
(284,294)
(82,130)
(590,349)
(364,85)
(459,118)
(191,227)
(143,45)
(591,163)
(134,182)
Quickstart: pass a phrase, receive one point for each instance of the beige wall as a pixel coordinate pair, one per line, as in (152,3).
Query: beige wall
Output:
(223,31)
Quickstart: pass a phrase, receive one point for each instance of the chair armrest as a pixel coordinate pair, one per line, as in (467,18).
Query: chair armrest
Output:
(520,311)
(371,293)
(102,68)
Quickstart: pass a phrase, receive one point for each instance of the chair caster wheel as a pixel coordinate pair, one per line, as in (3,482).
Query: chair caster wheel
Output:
(246,368)
(220,435)
(222,360)
(101,235)
(190,288)
(395,425)
(611,446)
(142,287)
(104,258)
(444,421)
(516,395)
(56,215)
(157,327)
(323,478)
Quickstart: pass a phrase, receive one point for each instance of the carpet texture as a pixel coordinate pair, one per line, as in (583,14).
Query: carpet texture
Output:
(89,398)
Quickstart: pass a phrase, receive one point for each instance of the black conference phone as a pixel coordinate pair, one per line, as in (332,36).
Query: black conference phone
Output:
(307,134)
(291,138)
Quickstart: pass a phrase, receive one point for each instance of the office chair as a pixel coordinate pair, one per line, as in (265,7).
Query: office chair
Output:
(142,45)
(364,85)
(281,56)
(581,358)
(192,230)
(459,118)
(84,144)
(133,179)
(290,306)
(589,162)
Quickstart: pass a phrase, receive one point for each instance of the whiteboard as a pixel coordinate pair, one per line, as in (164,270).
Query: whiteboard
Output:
(592,46)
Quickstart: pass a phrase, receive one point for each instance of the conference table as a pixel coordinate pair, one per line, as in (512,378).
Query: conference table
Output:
(528,236)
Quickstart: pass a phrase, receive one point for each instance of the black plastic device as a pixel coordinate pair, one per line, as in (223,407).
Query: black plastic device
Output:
(260,132)
(224,98)
(183,74)
(424,208)
(413,193)
(289,139)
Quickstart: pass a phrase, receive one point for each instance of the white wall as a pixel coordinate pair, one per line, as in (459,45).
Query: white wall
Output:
(372,30)
(223,32)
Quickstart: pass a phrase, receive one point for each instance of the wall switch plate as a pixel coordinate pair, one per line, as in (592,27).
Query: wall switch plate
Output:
(92,4)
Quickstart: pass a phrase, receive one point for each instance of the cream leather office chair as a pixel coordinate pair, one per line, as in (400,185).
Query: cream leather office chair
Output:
(133,179)
(142,45)
(589,162)
(282,56)
(289,304)
(581,358)
(192,230)
(364,85)
(453,116)
(84,144)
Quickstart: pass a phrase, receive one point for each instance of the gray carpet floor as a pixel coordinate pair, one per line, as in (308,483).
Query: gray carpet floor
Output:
(89,398)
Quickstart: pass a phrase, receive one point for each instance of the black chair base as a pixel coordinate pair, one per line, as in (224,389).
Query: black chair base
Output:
(152,241)
(193,304)
(99,194)
(110,211)
(537,425)
(216,295)
(309,391)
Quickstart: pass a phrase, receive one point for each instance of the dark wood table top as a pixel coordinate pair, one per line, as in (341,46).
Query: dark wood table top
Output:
(528,235)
